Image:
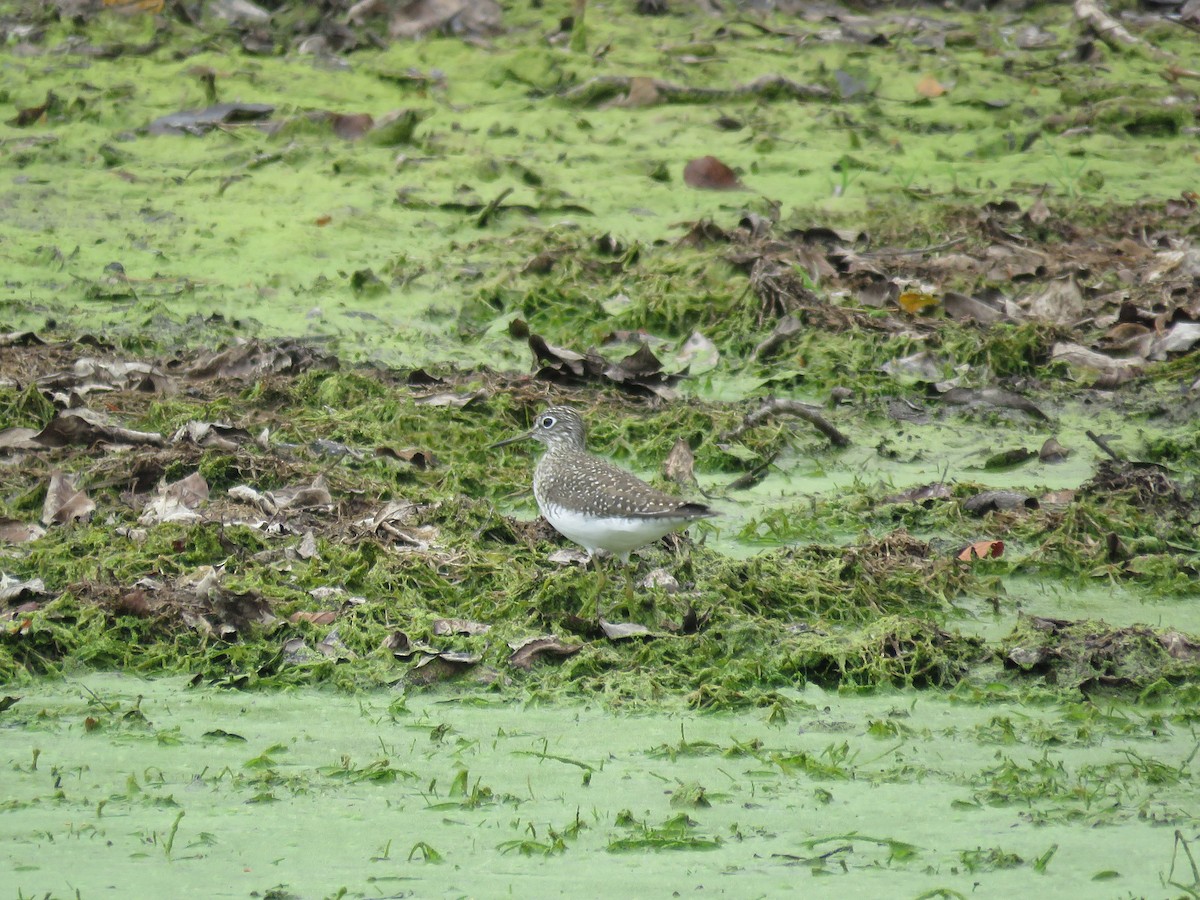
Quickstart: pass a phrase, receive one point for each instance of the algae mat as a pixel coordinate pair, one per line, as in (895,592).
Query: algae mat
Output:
(116,786)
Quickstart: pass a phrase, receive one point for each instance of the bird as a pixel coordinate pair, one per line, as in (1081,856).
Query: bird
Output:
(592,502)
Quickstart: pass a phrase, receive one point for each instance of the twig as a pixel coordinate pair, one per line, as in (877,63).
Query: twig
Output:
(490,210)
(1103,445)
(810,414)
(108,708)
(1110,31)
(915,251)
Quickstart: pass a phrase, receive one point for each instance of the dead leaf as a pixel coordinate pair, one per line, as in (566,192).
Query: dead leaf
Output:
(254,359)
(660,579)
(33,114)
(930,87)
(1075,355)
(463,18)
(568,556)
(311,496)
(307,548)
(14,589)
(639,372)
(322,617)
(526,653)
(710,174)
(960,306)
(177,502)
(1053,451)
(459,626)
(450,399)
(957,396)
(642,92)
(1061,302)
(64,502)
(418,459)
(680,464)
(14,531)
(85,427)
(211,435)
(1058,498)
(1179,338)
(990,501)
(982,550)
(351,127)
(201,121)
(618,631)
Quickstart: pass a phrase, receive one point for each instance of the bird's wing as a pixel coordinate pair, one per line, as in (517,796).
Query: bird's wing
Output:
(615,492)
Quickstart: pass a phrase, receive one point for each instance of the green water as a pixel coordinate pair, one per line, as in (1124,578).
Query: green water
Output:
(172,790)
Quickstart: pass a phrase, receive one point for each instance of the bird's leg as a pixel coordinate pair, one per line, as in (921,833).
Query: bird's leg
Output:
(629,595)
(601,581)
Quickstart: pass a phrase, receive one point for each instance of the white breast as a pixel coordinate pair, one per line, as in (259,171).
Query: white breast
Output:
(617,535)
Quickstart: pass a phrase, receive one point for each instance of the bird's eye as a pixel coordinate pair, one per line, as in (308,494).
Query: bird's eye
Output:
(548,422)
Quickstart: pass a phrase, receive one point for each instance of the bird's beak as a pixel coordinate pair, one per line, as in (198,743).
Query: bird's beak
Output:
(512,440)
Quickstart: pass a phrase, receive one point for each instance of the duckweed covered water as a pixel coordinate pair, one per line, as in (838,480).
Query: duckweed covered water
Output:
(115,786)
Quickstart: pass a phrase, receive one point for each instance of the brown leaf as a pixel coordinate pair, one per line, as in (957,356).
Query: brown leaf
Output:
(351,127)
(87,428)
(930,87)
(639,372)
(441,666)
(526,653)
(253,360)
(322,617)
(32,114)
(1053,451)
(960,306)
(307,548)
(710,174)
(680,463)
(642,92)
(982,550)
(1076,355)
(14,531)
(135,603)
(399,644)
(64,502)
(418,459)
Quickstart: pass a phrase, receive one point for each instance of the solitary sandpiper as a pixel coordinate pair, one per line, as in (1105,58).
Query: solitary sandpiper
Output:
(591,501)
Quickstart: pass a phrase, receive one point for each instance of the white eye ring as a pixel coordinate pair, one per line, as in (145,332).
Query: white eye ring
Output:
(547,422)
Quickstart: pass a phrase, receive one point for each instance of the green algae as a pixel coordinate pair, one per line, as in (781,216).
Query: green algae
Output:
(274,231)
(155,786)
(801,609)
(842,587)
